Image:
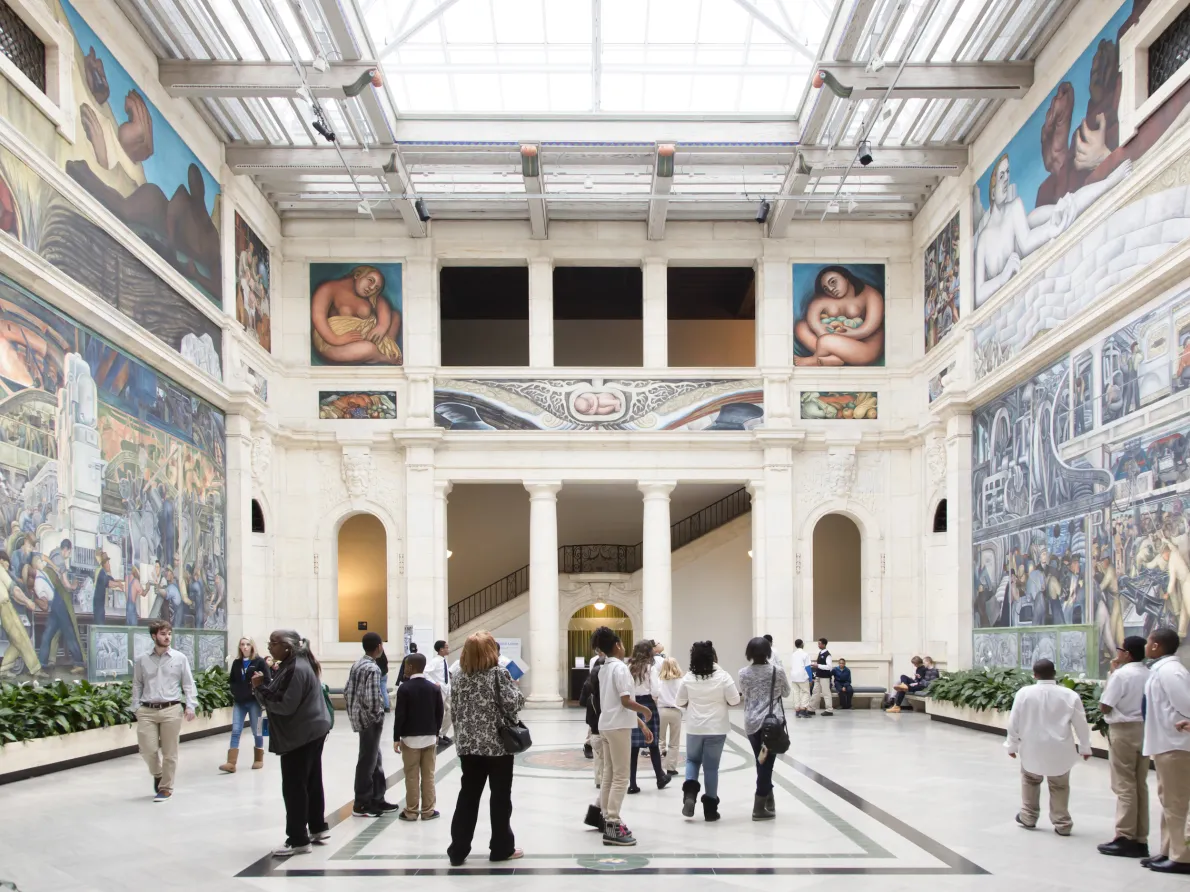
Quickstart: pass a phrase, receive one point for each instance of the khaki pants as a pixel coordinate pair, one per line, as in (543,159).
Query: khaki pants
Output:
(617,751)
(19,644)
(444,731)
(671,736)
(419,779)
(801,694)
(1129,779)
(157,733)
(1059,800)
(1173,790)
(822,689)
(597,751)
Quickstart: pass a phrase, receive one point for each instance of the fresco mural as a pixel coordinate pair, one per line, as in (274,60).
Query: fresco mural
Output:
(595,404)
(834,405)
(937,384)
(942,283)
(355,314)
(838,312)
(1136,365)
(112,498)
(357,404)
(1082,397)
(252,284)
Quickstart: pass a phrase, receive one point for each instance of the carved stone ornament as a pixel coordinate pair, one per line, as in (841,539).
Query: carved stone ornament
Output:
(357,472)
(262,457)
(840,473)
(936,461)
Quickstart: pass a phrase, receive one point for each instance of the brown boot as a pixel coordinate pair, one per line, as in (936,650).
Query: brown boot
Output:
(257,757)
(230,765)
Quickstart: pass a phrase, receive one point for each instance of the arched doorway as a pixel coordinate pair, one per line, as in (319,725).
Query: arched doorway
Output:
(837,558)
(363,577)
(586,620)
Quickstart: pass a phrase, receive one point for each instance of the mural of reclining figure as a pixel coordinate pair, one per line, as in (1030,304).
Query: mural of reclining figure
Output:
(353,321)
(843,323)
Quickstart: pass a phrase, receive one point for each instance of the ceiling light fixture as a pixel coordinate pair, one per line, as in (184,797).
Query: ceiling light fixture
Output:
(762,211)
(320,63)
(423,213)
(599,605)
(865,153)
(364,209)
(832,207)
(448,554)
(588,183)
(887,113)
(323,129)
(875,64)
(852,204)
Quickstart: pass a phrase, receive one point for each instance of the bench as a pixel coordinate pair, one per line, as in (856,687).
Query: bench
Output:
(862,696)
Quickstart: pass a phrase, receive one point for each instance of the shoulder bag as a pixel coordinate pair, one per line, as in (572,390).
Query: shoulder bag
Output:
(513,735)
(774,733)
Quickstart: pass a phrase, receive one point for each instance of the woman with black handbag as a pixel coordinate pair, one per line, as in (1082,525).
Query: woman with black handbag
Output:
(485,703)
(763,686)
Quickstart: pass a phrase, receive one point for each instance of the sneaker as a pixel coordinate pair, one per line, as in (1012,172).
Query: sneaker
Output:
(893,709)
(433,814)
(163,796)
(287,850)
(383,806)
(406,816)
(156,784)
(368,812)
(321,838)
(588,752)
(594,817)
(634,789)
(1023,824)
(618,835)
(827,712)
(445,741)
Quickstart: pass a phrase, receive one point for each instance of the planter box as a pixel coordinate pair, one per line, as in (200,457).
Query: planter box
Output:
(43,755)
(994,721)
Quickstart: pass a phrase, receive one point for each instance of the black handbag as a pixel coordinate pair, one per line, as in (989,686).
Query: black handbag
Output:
(513,735)
(774,732)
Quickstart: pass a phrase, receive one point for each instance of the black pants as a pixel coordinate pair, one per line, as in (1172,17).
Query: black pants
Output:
(478,770)
(654,757)
(369,769)
(301,788)
(845,692)
(910,683)
(764,770)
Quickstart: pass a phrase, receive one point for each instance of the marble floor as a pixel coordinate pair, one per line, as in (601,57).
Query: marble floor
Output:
(864,800)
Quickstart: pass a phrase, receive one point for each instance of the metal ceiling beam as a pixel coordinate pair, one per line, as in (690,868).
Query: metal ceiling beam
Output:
(663,182)
(954,80)
(341,31)
(798,45)
(948,161)
(596,55)
(402,193)
(263,79)
(429,18)
(854,29)
(796,179)
(534,191)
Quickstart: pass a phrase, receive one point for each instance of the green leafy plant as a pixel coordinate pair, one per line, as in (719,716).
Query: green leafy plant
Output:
(995,688)
(31,710)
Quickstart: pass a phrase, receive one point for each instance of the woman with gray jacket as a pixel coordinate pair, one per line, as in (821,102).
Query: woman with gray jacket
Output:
(298,725)
(763,685)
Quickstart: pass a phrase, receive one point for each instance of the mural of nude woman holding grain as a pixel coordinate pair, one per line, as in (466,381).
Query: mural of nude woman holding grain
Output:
(355,314)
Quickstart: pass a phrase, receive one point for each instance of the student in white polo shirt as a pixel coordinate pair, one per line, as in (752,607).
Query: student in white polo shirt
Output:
(1122,706)
(1167,704)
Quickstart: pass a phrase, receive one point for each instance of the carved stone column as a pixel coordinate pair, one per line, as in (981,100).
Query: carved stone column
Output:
(657,572)
(545,676)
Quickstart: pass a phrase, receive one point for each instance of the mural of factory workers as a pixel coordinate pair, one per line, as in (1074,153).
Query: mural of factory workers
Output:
(112,499)
(1181,345)
(1136,365)
(252,284)
(355,314)
(838,312)
(357,404)
(942,283)
(833,405)
(937,384)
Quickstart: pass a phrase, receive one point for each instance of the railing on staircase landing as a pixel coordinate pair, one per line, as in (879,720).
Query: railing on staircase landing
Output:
(601,558)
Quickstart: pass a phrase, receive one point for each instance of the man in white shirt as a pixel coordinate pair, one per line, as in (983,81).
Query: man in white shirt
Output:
(163,693)
(822,679)
(800,679)
(438,671)
(1121,705)
(1167,703)
(1045,719)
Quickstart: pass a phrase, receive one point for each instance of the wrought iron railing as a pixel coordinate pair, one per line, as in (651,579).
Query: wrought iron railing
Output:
(601,558)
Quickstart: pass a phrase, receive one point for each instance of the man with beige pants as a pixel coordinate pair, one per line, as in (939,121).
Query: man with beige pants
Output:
(1045,719)
(1122,706)
(1167,696)
(162,692)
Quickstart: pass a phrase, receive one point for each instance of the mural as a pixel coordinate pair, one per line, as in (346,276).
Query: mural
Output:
(357,404)
(252,284)
(942,283)
(937,384)
(112,497)
(355,314)
(595,404)
(1136,365)
(838,313)
(258,382)
(833,405)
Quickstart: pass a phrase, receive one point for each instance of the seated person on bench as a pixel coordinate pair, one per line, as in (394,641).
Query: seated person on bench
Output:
(925,672)
(843,688)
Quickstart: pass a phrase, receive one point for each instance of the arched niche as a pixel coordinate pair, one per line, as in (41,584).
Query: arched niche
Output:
(940,519)
(362,585)
(838,599)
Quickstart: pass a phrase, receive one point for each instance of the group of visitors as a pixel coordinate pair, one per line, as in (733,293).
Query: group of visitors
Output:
(813,677)
(1147,710)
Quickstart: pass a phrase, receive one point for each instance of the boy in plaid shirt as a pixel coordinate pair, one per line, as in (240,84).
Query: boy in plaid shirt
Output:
(365,708)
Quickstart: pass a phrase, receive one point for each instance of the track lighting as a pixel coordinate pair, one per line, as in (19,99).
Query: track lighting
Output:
(852,204)
(762,211)
(832,207)
(875,64)
(320,63)
(423,212)
(323,130)
(865,153)
(364,209)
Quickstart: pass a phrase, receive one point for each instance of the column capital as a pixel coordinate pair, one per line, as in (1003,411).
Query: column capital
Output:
(542,489)
(755,488)
(442,488)
(656,489)
(547,262)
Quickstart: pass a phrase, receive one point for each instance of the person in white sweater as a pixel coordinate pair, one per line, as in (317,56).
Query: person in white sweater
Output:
(706,692)
(669,680)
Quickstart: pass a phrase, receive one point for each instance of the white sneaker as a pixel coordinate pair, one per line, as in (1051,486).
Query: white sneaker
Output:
(287,850)
(320,839)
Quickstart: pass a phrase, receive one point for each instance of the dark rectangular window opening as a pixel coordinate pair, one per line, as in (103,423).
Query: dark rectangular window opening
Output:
(485,315)
(22,47)
(1170,51)
(712,316)
(598,316)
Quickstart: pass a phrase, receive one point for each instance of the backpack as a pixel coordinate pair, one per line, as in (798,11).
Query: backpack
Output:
(774,733)
(326,698)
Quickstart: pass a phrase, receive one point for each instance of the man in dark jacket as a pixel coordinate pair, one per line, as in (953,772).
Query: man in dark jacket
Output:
(365,708)
(417,720)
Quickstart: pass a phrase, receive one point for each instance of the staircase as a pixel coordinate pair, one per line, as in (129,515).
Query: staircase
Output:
(601,558)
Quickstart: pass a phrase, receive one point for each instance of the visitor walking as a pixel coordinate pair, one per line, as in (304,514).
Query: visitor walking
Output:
(163,691)
(669,679)
(1167,705)
(438,671)
(244,705)
(298,725)
(706,691)
(482,698)
(1122,705)
(416,723)
(801,675)
(1045,720)
(763,686)
(822,679)
(843,685)
(645,684)
(365,708)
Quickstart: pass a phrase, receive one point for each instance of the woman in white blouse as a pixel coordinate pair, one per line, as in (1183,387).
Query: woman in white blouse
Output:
(670,679)
(647,687)
(706,691)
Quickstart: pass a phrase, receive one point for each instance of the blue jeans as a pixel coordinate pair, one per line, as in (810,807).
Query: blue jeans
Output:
(59,623)
(239,711)
(764,770)
(704,751)
(384,691)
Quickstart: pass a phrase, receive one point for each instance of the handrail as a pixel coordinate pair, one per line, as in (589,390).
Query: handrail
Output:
(601,558)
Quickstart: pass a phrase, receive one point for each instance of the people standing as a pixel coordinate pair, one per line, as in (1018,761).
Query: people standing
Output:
(482,698)
(382,662)
(822,679)
(775,658)
(416,724)
(706,691)
(298,726)
(244,705)
(588,698)
(163,692)
(1122,705)
(800,676)
(1167,705)
(669,679)
(1045,721)
(763,686)
(843,685)
(365,708)
(438,671)
(645,686)
(401,671)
